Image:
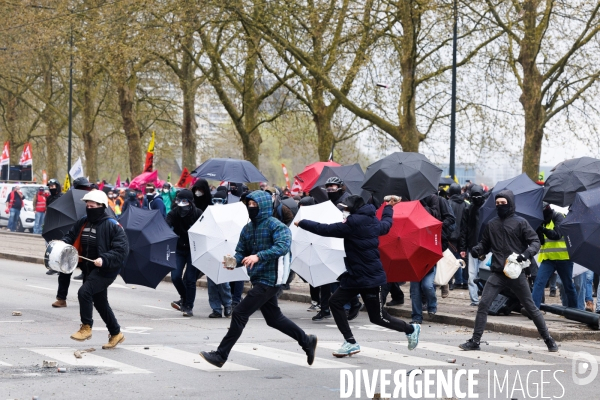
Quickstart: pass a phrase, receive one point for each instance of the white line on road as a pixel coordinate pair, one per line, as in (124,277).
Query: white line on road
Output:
(65,355)
(162,319)
(475,355)
(289,357)
(3,364)
(41,287)
(160,308)
(16,321)
(389,356)
(184,358)
(537,349)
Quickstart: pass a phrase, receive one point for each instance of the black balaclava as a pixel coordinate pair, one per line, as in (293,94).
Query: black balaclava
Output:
(54,191)
(253,212)
(335,196)
(503,210)
(477,195)
(95,214)
(548,213)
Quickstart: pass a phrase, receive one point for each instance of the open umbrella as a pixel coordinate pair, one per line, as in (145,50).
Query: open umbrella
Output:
(317,259)
(446,181)
(228,169)
(215,235)
(570,177)
(352,175)
(311,174)
(581,230)
(413,245)
(528,201)
(62,214)
(410,175)
(152,246)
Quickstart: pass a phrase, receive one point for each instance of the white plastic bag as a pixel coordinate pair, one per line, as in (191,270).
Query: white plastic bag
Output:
(446,268)
(513,268)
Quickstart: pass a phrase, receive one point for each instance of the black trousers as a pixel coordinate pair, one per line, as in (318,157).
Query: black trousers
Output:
(315,294)
(64,280)
(377,314)
(326,296)
(261,297)
(94,293)
(394,289)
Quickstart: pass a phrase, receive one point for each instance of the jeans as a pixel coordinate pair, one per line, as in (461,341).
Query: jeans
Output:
(394,289)
(427,288)
(13,218)
(377,314)
(94,293)
(218,295)
(39,222)
(579,282)
(261,297)
(185,283)
(564,268)
(552,282)
(474,264)
(458,277)
(589,280)
(64,281)
(237,289)
(520,287)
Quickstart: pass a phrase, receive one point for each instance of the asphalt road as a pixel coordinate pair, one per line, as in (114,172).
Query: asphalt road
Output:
(159,359)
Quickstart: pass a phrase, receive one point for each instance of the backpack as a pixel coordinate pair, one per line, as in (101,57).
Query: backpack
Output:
(289,203)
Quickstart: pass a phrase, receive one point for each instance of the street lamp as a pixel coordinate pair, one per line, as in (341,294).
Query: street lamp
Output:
(452,166)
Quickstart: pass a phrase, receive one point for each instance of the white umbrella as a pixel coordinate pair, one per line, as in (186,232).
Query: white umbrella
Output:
(319,260)
(215,235)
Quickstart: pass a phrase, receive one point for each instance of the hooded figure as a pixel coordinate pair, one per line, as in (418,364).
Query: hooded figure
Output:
(469,225)
(458,205)
(202,196)
(54,193)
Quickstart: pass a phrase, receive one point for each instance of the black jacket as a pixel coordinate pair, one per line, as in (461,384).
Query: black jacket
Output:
(206,199)
(181,225)
(113,246)
(361,233)
(52,198)
(503,237)
(439,208)
(459,205)
(469,226)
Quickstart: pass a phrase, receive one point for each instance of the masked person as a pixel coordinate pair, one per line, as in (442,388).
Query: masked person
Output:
(262,242)
(131,201)
(120,202)
(111,200)
(181,219)
(364,272)
(98,237)
(503,235)
(55,193)
(202,196)
(335,191)
(152,200)
(168,195)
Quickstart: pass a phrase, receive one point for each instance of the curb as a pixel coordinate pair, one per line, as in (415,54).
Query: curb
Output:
(18,257)
(29,235)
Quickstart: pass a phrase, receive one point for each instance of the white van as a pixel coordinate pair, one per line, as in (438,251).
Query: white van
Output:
(27,216)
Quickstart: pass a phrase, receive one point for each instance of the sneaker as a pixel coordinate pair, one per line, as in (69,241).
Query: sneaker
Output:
(415,322)
(314,307)
(470,345)
(552,293)
(215,314)
(431,313)
(451,286)
(394,303)
(347,349)
(228,311)
(354,310)
(176,304)
(323,314)
(187,312)
(78,277)
(552,347)
(445,292)
(310,349)
(464,286)
(51,272)
(413,338)
(214,358)
(473,304)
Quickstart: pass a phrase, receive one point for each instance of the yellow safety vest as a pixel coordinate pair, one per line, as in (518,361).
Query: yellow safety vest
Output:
(553,249)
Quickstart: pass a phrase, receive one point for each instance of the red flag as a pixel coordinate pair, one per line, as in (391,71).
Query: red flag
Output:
(297,188)
(118,182)
(149,156)
(287,177)
(26,155)
(185,179)
(101,186)
(5,160)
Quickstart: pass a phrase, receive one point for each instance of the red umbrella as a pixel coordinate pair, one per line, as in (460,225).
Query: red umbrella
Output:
(414,244)
(311,174)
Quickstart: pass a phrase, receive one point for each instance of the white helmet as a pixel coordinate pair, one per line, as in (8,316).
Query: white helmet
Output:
(98,196)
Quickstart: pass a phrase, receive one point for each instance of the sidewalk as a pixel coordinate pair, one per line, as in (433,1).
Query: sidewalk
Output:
(454,310)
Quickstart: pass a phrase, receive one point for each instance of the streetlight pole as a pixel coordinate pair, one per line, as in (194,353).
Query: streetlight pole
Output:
(452,167)
(70,104)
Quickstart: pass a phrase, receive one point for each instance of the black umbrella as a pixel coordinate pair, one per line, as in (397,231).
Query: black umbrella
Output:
(410,175)
(228,169)
(528,201)
(352,175)
(152,246)
(62,214)
(570,177)
(581,230)
(446,180)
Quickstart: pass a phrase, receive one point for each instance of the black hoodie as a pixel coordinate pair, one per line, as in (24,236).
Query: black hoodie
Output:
(503,237)
(52,198)
(469,225)
(205,200)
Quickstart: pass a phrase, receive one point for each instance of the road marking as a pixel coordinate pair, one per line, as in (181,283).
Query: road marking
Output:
(476,355)
(65,355)
(537,349)
(367,328)
(142,330)
(184,358)
(384,355)
(40,287)
(3,364)
(16,321)
(285,356)
(162,319)
(161,308)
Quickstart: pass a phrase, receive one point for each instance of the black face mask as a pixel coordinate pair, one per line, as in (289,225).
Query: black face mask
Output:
(184,210)
(253,213)
(54,191)
(548,212)
(334,196)
(478,200)
(150,197)
(503,210)
(94,214)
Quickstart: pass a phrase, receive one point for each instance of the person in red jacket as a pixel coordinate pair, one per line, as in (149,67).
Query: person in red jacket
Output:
(14,203)
(39,204)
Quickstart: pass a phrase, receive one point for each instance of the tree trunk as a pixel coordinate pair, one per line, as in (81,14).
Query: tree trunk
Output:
(11,124)
(126,90)
(90,138)
(322,118)
(52,130)
(251,139)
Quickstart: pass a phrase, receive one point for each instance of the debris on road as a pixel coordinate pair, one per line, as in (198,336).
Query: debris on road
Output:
(78,353)
(49,364)
(16,313)
(451,360)
(146,348)
(61,370)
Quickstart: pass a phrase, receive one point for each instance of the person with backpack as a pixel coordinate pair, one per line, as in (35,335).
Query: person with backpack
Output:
(98,237)
(153,201)
(285,212)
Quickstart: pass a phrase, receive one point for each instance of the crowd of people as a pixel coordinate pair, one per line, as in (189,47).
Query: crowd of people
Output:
(267,238)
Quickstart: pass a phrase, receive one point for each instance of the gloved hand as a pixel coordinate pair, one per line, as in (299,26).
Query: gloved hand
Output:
(521,258)
(474,253)
(540,232)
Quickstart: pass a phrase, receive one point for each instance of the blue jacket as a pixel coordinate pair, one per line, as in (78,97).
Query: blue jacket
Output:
(361,233)
(266,237)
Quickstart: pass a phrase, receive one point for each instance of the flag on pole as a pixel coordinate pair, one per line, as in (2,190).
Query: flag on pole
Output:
(118,182)
(296,188)
(44,178)
(169,178)
(287,177)
(26,155)
(149,155)
(66,184)
(77,170)
(185,179)
(5,154)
